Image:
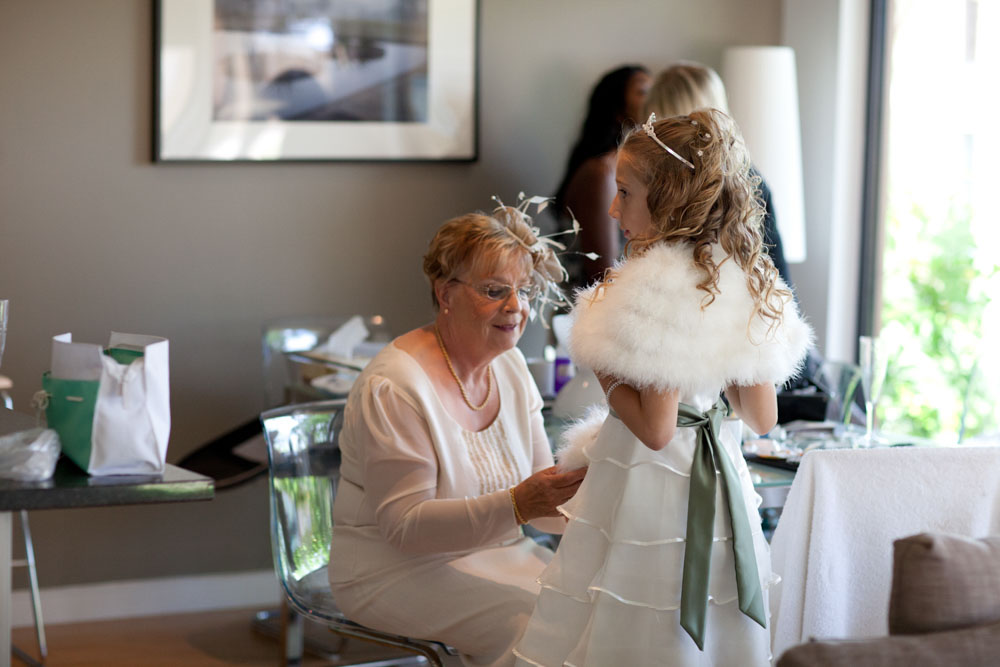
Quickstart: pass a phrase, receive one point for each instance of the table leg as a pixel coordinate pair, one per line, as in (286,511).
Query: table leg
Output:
(6,526)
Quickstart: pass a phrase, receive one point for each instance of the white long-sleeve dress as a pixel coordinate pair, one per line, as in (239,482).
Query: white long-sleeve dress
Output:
(612,594)
(425,542)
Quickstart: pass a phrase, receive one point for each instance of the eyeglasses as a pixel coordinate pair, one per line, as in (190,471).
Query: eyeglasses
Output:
(501,292)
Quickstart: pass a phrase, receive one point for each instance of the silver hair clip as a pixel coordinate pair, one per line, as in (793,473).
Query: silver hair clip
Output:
(648,127)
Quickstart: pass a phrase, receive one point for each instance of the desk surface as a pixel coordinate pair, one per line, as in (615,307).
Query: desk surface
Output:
(72,487)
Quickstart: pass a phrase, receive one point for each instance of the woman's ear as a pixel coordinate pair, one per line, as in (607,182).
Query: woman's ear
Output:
(443,292)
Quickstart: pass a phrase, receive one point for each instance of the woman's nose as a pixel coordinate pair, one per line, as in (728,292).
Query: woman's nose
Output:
(513,302)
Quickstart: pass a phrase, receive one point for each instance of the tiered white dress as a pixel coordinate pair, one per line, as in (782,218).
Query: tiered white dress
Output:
(611,596)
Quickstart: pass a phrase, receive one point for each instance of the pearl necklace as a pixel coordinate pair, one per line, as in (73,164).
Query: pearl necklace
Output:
(461,387)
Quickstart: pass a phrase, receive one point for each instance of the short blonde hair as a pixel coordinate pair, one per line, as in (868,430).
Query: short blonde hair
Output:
(481,242)
(684,87)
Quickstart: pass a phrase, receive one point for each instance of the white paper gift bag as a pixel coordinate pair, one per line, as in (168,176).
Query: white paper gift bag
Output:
(111,407)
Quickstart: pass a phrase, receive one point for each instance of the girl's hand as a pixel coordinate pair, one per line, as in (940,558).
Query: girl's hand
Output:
(543,492)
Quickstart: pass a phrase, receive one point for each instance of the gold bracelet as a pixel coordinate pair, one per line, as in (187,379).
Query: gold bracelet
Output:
(517,513)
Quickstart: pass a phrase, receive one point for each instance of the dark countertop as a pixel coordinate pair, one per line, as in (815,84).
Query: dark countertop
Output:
(72,487)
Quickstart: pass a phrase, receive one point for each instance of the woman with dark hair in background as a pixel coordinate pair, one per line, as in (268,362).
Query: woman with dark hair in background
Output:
(588,186)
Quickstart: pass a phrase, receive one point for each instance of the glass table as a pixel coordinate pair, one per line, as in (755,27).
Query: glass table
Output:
(772,484)
(71,487)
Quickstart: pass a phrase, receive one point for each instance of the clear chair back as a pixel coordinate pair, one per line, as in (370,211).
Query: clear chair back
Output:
(304,458)
(304,469)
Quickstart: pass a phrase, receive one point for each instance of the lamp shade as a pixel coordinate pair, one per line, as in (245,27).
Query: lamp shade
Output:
(764,101)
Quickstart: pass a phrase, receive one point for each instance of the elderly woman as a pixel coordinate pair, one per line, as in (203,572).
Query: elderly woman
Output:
(445,455)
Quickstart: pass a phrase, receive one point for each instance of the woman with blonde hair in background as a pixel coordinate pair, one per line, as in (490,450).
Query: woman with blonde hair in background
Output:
(685,86)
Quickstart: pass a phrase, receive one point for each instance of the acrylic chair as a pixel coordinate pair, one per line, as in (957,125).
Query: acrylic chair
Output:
(285,335)
(289,377)
(304,468)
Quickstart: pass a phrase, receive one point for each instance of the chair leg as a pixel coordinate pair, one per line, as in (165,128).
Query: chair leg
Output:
(292,637)
(420,653)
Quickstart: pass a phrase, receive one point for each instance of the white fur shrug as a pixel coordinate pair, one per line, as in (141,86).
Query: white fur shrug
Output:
(650,329)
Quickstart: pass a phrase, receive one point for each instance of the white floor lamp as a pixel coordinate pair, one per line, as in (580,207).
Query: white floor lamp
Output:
(764,100)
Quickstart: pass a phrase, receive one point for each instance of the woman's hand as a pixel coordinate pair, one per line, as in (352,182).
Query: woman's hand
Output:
(540,494)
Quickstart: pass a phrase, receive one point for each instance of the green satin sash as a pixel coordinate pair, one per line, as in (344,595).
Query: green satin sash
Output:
(708,455)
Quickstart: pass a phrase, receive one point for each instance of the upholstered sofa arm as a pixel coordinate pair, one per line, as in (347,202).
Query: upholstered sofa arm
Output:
(944,582)
(970,647)
(944,610)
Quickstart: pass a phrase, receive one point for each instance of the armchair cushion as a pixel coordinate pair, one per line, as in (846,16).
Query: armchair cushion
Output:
(943,582)
(969,647)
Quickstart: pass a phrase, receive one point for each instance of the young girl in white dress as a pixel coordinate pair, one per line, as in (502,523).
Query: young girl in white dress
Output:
(663,561)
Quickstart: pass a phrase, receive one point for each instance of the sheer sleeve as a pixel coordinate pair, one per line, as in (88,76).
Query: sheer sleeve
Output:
(400,480)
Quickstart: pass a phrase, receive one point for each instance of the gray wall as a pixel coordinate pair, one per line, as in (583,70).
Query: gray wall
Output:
(94,237)
(830,38)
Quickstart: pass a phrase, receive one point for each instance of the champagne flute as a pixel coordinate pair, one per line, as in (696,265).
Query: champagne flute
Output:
(873,361)
(4,308)
(839,380)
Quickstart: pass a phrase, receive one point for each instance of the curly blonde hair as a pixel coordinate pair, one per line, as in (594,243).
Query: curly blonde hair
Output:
(480,242)
(716,202)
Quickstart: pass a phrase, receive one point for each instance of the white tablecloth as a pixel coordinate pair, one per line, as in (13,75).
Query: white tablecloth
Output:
(833,543)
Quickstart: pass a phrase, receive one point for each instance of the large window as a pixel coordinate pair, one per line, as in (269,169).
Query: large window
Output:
(938,300)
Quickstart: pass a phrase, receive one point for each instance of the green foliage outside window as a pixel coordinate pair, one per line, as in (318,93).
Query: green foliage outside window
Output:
(307,503)
(936,289)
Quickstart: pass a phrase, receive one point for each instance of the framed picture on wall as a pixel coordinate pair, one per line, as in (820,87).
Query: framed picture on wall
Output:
(308,80)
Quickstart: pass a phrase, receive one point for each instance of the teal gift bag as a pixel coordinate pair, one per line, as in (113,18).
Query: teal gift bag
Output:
(70,412)
(111,407)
